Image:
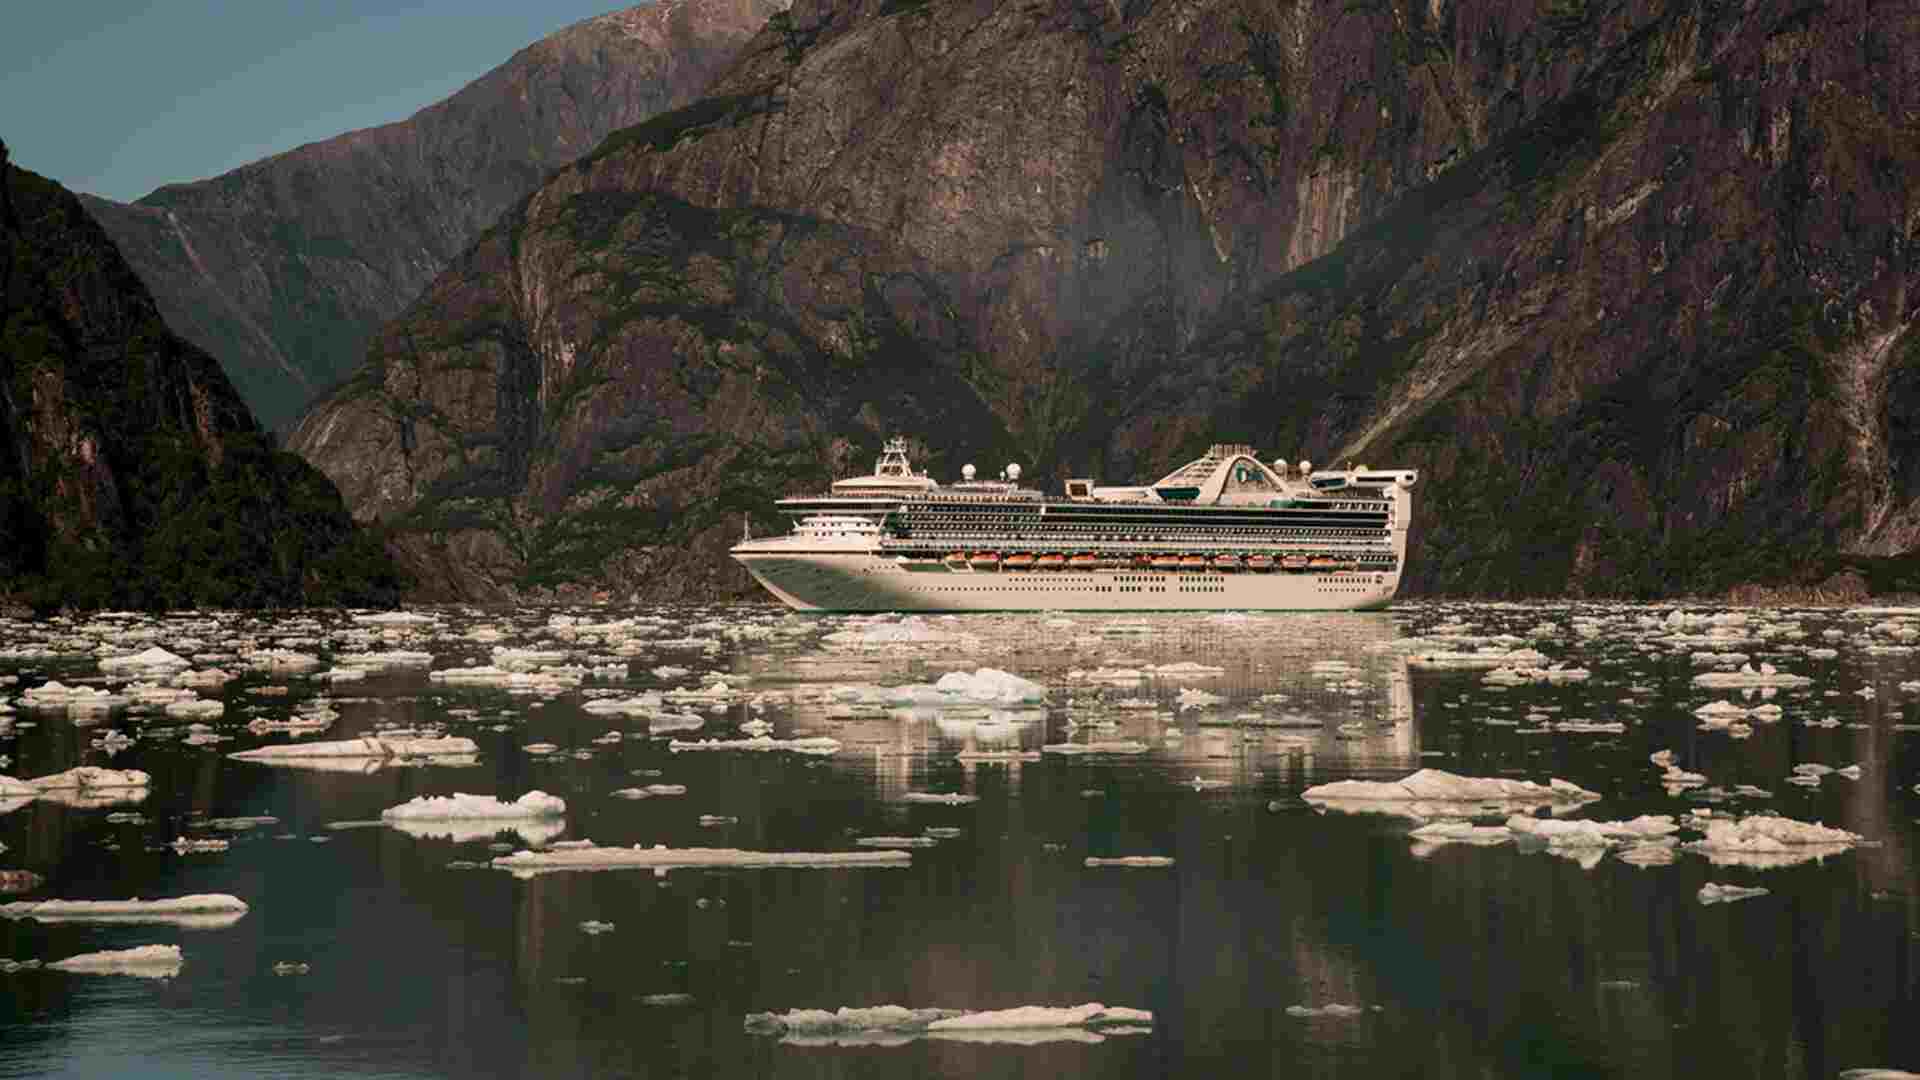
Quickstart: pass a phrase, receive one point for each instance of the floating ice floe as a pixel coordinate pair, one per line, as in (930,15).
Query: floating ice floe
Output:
(896,841)
(461,806)
(650,791)
(145,961)
(817,744)
(1437,793)
(1195,698)
(908,632)
(206,846)
(660,858)
(1769,841)
(547,681)
(1138,861)
(378,747)
(395,618)
(393,658)
(1490,656)
(91,778)
(536,831)
(943,799)
(1331,1009)
(1766,676)
(153,661)
(989,756)
(1521,676)
(1111,746)
(55,695)
(281,660)
(1711,893)
(201,911)
(896,1025)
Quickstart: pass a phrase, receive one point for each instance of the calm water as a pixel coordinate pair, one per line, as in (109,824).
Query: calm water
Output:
(1462,961)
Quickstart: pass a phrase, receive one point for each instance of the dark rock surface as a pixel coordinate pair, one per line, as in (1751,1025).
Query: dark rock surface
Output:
(284,268)
(130,472)
(1633,283)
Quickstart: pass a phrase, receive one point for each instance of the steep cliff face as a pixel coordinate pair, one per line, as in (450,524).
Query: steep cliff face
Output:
(130,471)
(284,268)
(1630,280)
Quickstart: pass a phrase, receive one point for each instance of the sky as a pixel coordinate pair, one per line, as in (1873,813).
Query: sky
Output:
(117,97)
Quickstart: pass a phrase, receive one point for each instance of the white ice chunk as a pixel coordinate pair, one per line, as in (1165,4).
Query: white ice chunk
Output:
(1711,893)
(819,744)
(943,799)
(367,746)
(155,660)
(1137,861)
(1460,832)
(1748,676)
(201,911)
(88,778)
(461,806)
(1113,746)
(662,858)
(1332,1009)
(1766,841)
(1435,785)
(146,961)
(395,618)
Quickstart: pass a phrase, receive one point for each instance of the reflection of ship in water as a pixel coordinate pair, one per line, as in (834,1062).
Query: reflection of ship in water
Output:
(1216,697)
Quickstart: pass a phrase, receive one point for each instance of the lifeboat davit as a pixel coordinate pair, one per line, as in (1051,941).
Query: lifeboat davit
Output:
(1229,564)
(1260,563)
(1019,560)
(1193,562)
(985,560)
(1052,560)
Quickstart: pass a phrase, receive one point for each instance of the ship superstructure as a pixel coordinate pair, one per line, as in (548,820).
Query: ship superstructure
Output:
(1224,531)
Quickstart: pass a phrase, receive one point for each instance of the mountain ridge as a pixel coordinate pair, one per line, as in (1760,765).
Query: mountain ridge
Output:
(284,267)
(1452,236)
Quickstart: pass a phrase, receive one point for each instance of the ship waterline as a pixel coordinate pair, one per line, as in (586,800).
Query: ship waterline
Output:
(1224,532)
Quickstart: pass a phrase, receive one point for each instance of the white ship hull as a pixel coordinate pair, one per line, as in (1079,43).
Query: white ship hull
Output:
(870,581)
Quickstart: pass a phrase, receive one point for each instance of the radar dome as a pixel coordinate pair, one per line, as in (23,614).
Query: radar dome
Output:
(1280,466)
(1013,472)
(1306,467)
(966,472)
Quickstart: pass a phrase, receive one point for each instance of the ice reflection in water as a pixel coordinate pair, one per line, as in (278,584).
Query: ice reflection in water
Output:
(1260,931)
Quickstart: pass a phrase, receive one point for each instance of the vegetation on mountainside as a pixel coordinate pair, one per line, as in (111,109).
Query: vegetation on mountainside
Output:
(132,475)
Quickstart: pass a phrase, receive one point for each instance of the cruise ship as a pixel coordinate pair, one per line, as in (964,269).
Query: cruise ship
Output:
(1225,531)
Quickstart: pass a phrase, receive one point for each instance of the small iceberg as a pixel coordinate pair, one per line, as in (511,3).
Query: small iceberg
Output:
(1769,841)
(820,745)
(1748,676)
(895,1025)
(461,806)
(1430,786)
(201,911)
(1725,894)
(146,962)
(661,858)
(368,746)
(1136,861)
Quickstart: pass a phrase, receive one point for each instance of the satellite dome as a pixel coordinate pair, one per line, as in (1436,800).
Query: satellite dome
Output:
(1013,472)
(966,472)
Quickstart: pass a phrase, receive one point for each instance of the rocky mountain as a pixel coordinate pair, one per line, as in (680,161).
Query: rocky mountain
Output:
(1632,282)
(130,472)
(284,268)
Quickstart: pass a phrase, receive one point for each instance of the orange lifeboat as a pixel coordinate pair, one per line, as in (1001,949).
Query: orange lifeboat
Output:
(985,560)
(1260,564)
(1140,562)
(1293,562)
(1052,560)
(1227,564)
(1193,562)
(1086,562)
(1021,560)
(1323,562)
(956,560)
(1166,562)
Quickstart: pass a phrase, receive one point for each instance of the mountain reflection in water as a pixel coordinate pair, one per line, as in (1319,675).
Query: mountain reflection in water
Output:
(1281,938)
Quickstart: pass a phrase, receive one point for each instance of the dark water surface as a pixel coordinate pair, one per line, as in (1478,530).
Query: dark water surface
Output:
(1462,961)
